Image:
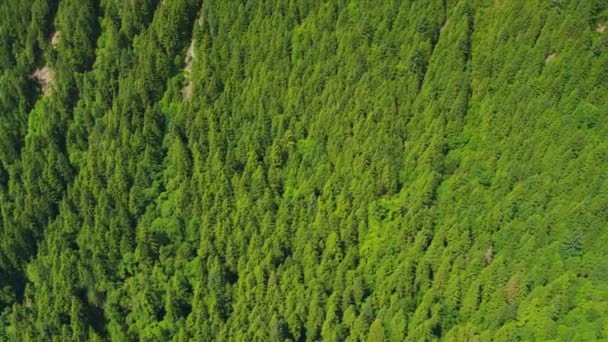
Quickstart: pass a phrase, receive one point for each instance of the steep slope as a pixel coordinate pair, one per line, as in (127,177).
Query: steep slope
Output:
(304,170)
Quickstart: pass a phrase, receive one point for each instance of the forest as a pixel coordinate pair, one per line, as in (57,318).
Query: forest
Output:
(304,170)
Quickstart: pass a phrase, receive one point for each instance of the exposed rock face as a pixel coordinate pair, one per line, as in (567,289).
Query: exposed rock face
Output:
(445,25)
(600,28)
(488,256)
(549,58)
(187,91)
(189,60)
(56,39)
(45,78)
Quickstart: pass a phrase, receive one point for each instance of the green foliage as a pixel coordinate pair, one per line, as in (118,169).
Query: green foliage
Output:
(304,170)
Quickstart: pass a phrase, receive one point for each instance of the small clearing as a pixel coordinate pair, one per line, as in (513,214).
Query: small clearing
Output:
(600,28)
(45,78)
(549,58)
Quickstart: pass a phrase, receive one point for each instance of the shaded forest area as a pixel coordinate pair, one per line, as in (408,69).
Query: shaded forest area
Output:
(297,170)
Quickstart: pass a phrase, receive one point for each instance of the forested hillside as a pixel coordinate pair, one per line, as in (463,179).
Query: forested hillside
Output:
(303,170)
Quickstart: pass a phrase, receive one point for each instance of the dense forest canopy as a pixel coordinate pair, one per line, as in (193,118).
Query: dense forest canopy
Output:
(298,170)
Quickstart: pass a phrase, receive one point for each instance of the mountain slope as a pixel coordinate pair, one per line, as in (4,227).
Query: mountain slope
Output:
(303,170)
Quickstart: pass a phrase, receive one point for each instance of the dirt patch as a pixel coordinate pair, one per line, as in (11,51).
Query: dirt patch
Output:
(549,58)
(56,39)
(45,78)
(600,28)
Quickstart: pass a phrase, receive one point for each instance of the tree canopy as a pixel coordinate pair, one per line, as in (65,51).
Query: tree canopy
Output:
(298,170)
